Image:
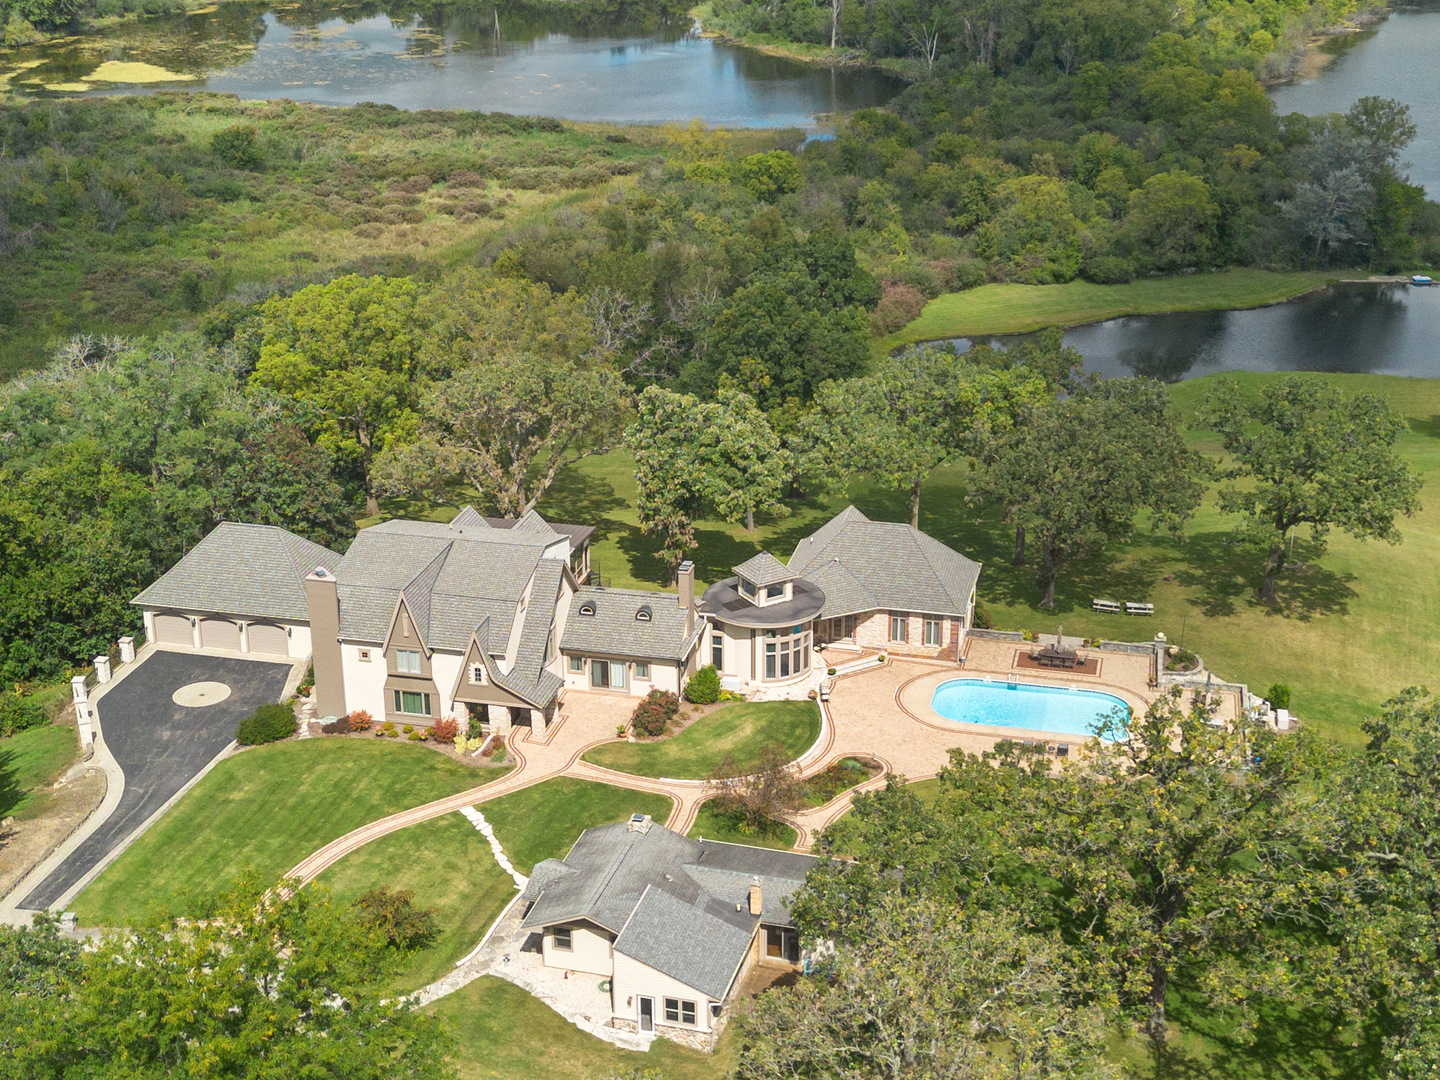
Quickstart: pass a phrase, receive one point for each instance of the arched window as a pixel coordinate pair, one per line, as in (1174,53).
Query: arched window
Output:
(587,608)
(644,614)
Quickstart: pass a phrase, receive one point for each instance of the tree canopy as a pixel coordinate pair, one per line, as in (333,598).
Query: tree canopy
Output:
(1075,473)
(1306,455)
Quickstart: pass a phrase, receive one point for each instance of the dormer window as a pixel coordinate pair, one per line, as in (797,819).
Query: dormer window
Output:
(747,590)
(644,614)
(587,608)
(774,591)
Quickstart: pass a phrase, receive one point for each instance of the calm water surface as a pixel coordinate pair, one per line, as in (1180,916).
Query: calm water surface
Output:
(637,69)
(1375,329)
(1400,60)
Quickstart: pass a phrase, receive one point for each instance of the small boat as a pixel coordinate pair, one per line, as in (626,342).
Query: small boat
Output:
(1421,279)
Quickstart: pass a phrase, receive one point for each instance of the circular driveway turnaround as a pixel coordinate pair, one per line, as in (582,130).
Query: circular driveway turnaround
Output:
(160,745)
(197,695)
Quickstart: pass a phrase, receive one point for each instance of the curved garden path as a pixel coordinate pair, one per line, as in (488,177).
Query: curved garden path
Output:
(874,713)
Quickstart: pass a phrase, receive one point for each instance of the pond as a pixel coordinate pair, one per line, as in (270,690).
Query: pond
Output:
(1380,329)
(1399,59)
(561,60)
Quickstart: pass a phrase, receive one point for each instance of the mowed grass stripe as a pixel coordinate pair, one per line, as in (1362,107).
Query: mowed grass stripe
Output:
(263,811)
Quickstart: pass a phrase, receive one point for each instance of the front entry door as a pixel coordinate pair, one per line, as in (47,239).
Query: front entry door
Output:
(647,1014)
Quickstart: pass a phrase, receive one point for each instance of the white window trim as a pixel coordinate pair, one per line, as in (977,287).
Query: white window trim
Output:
(400,661)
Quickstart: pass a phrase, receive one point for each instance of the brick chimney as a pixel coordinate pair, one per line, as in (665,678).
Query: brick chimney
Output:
(756,900)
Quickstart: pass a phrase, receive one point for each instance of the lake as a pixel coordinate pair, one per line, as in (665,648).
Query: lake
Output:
(1399,59)
(557,60)
(1378,329)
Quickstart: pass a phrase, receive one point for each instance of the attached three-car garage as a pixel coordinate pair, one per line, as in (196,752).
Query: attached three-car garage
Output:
(241,589)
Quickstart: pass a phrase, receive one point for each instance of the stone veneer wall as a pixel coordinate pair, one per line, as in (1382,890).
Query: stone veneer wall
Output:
(873,632)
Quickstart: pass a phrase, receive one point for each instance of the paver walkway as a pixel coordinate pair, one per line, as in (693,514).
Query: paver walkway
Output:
(878,712)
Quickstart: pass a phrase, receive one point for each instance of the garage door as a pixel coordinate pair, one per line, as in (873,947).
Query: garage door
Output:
(173,630)
(219,634)
(269,638)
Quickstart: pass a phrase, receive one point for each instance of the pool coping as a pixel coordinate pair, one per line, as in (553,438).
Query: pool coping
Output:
(914,696)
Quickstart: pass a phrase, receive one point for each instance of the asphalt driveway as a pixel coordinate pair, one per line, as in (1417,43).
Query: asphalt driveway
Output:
(160,746)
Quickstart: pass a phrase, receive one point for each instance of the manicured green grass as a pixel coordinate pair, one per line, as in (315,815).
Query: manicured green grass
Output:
(1013,309)
(29,761)
(448,865)
(716,826)
(544,821)
(263,811)
(741,731)
(505,1034)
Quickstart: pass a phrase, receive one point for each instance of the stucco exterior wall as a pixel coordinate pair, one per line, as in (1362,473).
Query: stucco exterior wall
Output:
(663,674)
(445,668)
(364,680)
(590,951)
(633,979)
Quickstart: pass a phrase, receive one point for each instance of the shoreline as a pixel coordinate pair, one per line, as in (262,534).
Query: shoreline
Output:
(805,53)
(1024,322)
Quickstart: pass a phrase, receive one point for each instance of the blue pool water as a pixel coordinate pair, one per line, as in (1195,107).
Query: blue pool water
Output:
(1024,705)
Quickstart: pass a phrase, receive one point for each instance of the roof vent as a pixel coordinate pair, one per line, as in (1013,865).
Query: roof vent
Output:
(644,614)
(639,823)
(587,608)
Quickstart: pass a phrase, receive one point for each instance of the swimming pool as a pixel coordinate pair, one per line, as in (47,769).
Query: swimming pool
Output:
(1024,705)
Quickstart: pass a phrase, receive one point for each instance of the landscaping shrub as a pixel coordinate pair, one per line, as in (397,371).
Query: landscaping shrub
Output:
(1183,660)
(339,726)
(359,720)
(445,729)
(19,713)
(389,730)
(982,619)
(267,724)
(394,916)
(703,688)
(498,754)
(654,713)
(1278,696)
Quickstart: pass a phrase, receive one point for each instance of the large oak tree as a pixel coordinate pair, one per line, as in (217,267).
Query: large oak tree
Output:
(1303,454)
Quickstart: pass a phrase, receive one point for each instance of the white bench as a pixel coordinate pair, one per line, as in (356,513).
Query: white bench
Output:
(1132,608)
(1110,607)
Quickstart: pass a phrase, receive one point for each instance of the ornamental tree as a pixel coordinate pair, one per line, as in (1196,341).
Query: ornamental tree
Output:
(344,355)
(1305,455)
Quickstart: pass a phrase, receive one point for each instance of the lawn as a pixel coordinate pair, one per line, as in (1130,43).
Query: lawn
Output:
(504,1033)
(1013,309)
(31,760)
(263,811)
(544,821)
(741,731)
(715,826)
(448,865)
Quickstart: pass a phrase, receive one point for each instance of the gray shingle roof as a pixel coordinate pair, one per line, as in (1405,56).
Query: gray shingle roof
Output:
(865,565)
(695,943)
(528,678)
(615,631)
(764,569)
(678,905)
(238,569)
